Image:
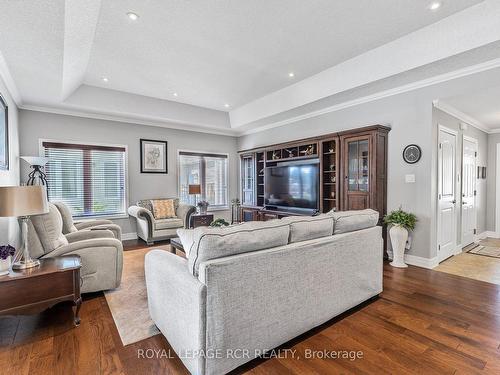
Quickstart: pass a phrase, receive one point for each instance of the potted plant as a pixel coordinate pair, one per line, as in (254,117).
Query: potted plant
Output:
(219,223)
(203,206)
(6,252)
(401,222)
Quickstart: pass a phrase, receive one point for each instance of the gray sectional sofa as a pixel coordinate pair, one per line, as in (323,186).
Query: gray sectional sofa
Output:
(255,286)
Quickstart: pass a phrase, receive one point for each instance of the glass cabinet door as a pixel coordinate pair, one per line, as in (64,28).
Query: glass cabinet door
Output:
(248,180)
(358,168)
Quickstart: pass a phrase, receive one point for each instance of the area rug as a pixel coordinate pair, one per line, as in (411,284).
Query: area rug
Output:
(128,303)
(487,251)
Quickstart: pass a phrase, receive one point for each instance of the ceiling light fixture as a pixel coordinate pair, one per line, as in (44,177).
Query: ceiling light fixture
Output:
(133,16)
(291,74)
(105,79)
(226,105)
(175,94)
(435,5)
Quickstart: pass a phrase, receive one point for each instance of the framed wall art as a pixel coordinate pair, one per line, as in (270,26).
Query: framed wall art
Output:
(154,156)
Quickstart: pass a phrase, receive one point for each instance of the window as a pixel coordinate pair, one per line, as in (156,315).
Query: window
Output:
(207,170)
(90,179)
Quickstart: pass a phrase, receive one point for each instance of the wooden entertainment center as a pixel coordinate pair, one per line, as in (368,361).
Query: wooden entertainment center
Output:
(352,164)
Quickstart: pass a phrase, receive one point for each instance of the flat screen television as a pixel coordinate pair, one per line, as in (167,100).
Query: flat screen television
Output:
(292,186)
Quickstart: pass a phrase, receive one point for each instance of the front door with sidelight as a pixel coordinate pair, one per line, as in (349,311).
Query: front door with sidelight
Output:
(447,227)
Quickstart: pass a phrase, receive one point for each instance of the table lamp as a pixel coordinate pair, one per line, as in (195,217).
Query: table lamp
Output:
(195,189)
(23,202)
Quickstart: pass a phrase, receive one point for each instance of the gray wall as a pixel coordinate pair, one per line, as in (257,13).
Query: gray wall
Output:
(410,116)
(9,227)
(38,125)
(491,173)
(444,119)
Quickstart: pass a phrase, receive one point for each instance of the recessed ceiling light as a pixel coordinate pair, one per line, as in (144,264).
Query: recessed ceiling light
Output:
(105,79)
(226,105)
(175,94)
(133,16)
(435,5)
(291,74)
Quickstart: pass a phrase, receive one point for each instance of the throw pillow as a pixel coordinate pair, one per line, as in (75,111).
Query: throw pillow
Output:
(163,208)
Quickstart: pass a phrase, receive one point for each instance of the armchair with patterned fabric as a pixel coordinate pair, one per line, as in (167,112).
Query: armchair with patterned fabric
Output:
(155,224)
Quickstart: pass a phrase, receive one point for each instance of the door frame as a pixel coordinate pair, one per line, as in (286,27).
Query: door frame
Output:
(457,183)
(476,142)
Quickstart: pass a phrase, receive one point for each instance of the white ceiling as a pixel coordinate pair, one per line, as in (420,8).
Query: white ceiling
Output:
(482,106)
(213,52)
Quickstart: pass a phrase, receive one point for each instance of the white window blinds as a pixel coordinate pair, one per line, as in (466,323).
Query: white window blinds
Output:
(90,179)
(207,170)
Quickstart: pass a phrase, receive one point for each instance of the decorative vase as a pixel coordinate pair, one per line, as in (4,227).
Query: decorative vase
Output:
(4,266)
(399,235)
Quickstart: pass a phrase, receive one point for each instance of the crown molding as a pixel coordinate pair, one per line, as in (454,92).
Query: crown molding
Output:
(196,128)
(452,111)
(7,79)
(478,68)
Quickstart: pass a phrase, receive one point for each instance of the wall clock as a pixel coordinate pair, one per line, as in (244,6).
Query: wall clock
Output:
(412,154)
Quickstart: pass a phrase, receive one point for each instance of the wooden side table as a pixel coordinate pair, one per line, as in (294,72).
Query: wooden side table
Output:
(33,290)
(201,220)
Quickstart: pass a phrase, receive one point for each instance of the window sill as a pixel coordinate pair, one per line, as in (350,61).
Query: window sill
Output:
(226,208)
(103,217)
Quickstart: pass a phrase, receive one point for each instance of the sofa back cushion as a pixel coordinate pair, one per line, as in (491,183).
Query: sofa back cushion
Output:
(303,228)
(48,228)
(212,243)
(163,208)
(349,221)
(67,218)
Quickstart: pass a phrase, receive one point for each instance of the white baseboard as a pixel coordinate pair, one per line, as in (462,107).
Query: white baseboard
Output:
(488,233)
(417,261)
(129,236)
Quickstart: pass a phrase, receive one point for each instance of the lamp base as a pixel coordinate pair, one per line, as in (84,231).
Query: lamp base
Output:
(22,265)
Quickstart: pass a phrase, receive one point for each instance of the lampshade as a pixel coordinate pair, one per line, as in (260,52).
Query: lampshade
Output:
(36,160)
(23,201)
(194,189)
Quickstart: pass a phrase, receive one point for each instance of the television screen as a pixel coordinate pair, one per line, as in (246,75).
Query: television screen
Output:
(294,186)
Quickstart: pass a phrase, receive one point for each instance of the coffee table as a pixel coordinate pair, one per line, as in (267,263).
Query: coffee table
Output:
(176,244)
(33,290)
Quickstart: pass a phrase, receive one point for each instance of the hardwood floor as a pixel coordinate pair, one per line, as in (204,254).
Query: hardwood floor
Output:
(424,322)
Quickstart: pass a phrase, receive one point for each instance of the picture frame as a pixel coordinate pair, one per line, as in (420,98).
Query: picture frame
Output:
(154,156)
(4,135)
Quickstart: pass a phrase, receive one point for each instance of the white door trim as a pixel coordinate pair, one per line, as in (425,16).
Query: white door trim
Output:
(457,181)
(497,186)
(476,142)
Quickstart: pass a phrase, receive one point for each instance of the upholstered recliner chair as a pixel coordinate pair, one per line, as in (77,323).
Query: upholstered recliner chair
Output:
(151,229)
(70,226)
(101,253)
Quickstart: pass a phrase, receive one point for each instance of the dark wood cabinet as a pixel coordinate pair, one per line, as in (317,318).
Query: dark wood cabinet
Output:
(201,220)
(353,171)
(364,169)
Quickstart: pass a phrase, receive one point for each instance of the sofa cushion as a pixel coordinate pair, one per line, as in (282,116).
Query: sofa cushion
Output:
(67,218)
(212,243)
(48,227)
(349,221)
(303,228)
(163,208)
(168,223)
(187,239)
(148,203)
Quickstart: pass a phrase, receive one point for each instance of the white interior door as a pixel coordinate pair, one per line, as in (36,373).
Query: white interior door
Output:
(447,227)
(469,151)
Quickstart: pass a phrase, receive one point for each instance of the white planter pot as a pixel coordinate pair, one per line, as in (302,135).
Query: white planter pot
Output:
(399,235)
(4,266)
